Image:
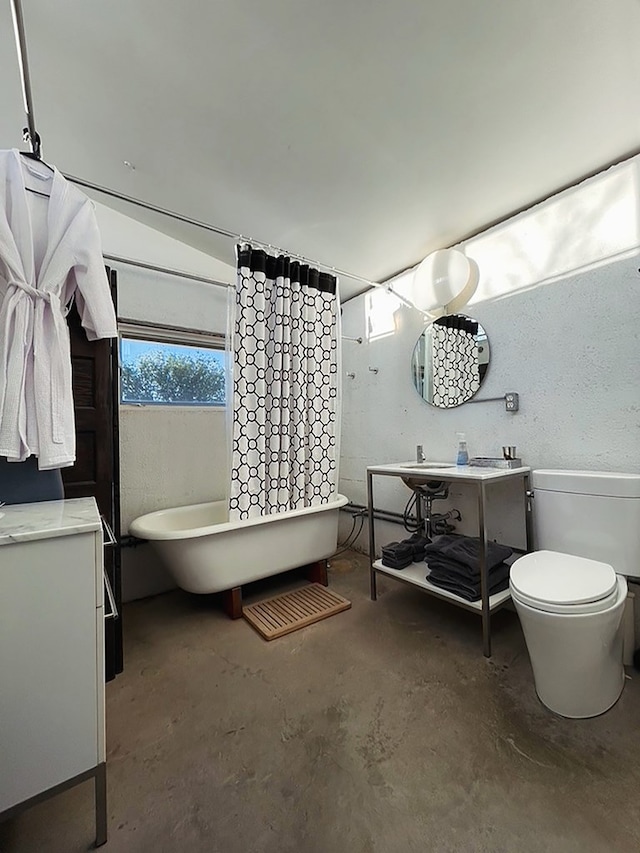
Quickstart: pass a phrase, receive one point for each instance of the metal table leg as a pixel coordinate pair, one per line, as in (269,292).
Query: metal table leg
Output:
(101,804)
(484,580)
(372,539)
(528,512)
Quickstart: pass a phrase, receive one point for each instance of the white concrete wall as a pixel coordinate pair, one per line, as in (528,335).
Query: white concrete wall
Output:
(570,348)
(170,456)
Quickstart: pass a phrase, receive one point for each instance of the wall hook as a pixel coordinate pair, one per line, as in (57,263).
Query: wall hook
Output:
(351,375)
(373,369)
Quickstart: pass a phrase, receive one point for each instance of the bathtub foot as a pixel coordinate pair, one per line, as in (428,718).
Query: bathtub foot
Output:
(317,573)
(232,602)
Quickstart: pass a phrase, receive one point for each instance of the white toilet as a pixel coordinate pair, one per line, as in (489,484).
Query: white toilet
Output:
(570,595)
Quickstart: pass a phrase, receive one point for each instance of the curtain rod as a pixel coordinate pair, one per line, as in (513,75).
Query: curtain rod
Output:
(215,229)
(168,270)
(207,226)
(35,142)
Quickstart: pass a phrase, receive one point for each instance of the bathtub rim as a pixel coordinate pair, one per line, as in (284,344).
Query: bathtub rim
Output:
(137,526)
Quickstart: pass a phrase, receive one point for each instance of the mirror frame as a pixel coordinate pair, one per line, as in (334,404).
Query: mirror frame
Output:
(457,328)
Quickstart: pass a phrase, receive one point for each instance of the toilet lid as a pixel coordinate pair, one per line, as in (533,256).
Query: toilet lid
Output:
(561,579)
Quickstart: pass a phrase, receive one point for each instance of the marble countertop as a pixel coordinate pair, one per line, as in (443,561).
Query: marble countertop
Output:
(48,519)
(450,472)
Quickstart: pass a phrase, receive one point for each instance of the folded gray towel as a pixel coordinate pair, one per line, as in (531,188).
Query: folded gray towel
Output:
(466,551)
(498,581)
(454,573)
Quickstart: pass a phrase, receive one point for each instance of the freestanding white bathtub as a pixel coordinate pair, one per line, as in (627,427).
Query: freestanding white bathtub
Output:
(207,553)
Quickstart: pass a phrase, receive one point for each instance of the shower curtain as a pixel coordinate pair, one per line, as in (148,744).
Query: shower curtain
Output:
(286,395)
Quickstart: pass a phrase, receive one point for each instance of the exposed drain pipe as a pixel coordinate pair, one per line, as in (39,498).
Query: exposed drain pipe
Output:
(379,514)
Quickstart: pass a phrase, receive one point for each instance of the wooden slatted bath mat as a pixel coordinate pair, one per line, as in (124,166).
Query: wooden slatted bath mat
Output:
(290,611)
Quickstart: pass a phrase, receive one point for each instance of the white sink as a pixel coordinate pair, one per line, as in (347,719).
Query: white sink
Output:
(417,468)
(418,465)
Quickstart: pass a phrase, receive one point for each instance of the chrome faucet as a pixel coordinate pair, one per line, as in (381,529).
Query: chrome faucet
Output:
(420,453)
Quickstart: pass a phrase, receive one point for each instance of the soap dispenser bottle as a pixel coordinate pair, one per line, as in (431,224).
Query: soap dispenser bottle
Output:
(463,454)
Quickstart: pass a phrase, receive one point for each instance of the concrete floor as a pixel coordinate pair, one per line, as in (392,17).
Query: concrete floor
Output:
(380,730)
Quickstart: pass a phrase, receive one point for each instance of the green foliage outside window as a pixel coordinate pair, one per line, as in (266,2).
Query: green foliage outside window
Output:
(172,375)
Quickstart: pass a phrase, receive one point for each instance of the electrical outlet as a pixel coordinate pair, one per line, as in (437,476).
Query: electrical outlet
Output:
(511,401)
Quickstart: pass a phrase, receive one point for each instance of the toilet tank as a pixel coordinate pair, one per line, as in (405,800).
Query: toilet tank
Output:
(591,514)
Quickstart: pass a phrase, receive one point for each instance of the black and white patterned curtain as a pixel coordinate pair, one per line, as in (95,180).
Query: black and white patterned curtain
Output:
(285,357)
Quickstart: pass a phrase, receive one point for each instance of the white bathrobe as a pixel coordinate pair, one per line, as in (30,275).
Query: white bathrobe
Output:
(50,252)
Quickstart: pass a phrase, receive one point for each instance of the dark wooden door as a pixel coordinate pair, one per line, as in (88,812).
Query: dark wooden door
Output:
(96,470)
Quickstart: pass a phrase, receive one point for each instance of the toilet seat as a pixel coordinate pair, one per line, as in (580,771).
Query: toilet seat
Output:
(563,583)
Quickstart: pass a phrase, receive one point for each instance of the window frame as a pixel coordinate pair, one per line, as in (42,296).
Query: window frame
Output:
(166,334)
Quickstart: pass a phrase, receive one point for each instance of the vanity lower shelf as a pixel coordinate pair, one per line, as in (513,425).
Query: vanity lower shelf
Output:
(415,575)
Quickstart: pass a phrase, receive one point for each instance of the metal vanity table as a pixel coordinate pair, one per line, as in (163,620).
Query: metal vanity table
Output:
(481,479)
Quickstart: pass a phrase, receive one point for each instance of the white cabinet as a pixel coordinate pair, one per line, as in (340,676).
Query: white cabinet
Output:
(52,714)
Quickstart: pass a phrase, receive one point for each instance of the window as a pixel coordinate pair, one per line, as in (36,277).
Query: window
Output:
(171,374)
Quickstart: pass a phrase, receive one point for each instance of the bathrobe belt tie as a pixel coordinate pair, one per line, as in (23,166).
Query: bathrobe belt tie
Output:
(54,358)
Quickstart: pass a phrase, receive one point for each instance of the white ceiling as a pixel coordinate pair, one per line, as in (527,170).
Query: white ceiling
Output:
(360,133)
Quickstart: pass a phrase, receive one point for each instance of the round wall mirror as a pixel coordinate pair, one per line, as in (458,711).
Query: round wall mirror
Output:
(450,360)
